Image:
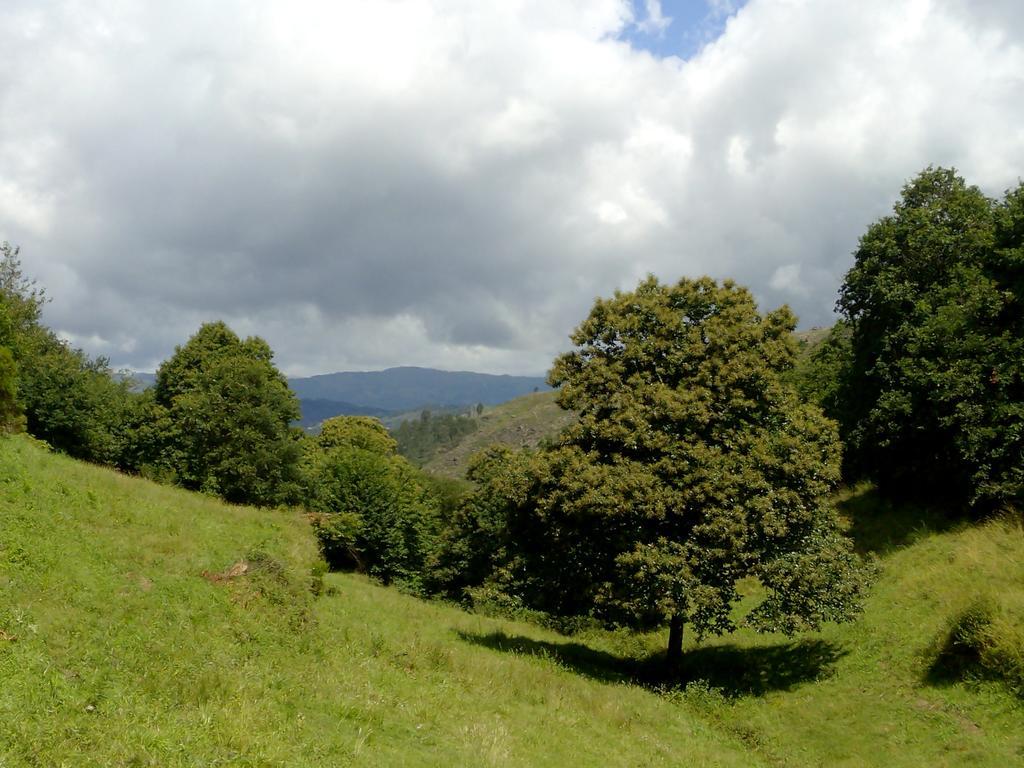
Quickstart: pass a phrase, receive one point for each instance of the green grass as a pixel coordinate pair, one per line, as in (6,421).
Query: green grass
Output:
(122,653)
(878,704)
(117,651)
(519,423)
(866,693)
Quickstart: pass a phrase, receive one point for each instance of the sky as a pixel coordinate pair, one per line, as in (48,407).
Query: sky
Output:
(450,183)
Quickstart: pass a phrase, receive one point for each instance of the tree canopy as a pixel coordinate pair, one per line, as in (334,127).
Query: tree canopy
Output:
(372,510)
(220,417)
(693,465)
(11,417)
(934,399)
(59,393)
(363,432)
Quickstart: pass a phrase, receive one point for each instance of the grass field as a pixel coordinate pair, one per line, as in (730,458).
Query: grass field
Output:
(129,635)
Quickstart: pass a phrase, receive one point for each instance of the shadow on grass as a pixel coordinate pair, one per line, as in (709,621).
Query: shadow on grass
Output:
(734,670)
(879,525)
(954,662)
(965,654)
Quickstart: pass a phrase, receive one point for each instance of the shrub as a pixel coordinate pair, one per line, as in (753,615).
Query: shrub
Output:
(984,642)
(371,509)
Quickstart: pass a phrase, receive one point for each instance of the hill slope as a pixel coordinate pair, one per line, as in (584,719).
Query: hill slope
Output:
(115,649)
(523,422)
(395,391)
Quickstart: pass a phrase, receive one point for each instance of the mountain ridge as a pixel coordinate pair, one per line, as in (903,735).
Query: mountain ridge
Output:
(406,388)
(396,390)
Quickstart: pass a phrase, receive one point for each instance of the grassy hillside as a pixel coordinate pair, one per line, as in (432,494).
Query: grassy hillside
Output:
(116,650)
(129,635)
(811,338)
(522,422)
(878,695)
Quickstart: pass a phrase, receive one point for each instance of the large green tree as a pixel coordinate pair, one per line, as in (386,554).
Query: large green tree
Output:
(693,465)
(68,399)
(12,418)
(219,420)
(934,397)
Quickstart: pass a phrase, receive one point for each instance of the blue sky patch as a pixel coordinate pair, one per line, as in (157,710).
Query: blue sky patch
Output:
(678,27)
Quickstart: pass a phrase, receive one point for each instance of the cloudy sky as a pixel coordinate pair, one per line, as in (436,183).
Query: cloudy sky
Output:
(451,182)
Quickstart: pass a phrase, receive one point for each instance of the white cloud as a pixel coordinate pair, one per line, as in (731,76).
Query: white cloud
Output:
(786,279)
(655,22)
(451,183)
(520,126)
(723,7)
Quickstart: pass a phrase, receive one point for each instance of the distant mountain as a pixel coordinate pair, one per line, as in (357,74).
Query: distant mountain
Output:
(314,411)
(140,380)
(395,392)
(408,388)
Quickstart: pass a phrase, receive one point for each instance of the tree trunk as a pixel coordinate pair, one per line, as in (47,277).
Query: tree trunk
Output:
(675,641)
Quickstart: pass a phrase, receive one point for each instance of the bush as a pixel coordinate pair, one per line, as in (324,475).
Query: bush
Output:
(984,642)
(371,509)
(473,544)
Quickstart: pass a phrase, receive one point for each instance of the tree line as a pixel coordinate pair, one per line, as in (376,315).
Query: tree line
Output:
(707,449)
(420,439)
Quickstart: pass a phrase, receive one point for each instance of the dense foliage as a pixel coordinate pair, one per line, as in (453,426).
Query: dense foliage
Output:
(476,544)
(821,373)
(219,420)
(693,465)
(11,417)
(363,432)
(71,401)
(372,509)
(934,401)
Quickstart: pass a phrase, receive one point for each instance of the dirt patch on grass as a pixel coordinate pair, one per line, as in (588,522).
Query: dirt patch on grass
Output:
(238,569)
